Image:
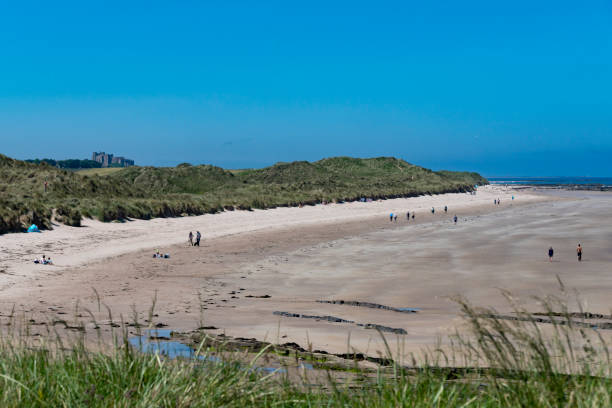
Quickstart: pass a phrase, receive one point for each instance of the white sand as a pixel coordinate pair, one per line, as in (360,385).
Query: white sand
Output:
(73,246)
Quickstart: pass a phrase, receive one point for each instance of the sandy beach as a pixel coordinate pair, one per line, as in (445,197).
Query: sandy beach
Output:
(257,274)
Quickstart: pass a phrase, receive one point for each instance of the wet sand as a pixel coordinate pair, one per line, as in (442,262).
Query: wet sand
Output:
(236,282)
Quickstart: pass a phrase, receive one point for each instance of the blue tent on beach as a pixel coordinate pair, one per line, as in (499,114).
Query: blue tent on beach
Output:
(33,228)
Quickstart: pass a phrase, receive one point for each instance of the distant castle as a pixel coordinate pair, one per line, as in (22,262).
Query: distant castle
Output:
(108,160)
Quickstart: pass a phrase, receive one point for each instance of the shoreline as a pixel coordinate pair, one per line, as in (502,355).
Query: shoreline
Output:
(234,257)
(71,246)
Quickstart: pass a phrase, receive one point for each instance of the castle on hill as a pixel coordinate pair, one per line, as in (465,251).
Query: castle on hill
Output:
(108,160)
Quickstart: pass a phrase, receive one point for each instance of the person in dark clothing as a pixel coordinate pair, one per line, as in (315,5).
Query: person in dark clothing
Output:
(408,215)
(455,219)
(198,237)
(579,252)
(445,209)
(551,252)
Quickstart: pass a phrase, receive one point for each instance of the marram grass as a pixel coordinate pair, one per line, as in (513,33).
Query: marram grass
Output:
(148,192)
(502,363)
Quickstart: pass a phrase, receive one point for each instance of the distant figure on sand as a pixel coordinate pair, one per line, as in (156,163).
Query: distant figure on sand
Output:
(551,252)
(445,209)
(408,215)
(391,217)
(498,201)
(190,238)
(198,237)
(433,210)
(413,215)
(579,252)
(455,219)
(395,218)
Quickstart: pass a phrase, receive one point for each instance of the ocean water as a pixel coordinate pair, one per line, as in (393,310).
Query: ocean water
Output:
(552,181)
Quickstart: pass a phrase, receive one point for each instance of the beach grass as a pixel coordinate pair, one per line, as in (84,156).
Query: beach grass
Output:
(99,171)
(150,192)
(504,363)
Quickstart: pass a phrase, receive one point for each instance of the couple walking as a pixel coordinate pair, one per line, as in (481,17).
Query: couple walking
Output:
(197,238)
(551,253)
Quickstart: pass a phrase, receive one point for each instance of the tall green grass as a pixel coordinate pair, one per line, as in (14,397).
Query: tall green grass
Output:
(495,363)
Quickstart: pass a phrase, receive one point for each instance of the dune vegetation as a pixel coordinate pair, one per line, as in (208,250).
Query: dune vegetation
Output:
(149,192)
(495,363)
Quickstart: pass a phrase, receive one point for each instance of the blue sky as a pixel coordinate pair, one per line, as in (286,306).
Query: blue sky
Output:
(522,88)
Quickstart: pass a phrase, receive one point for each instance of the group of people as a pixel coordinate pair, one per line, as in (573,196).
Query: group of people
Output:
(498,201)
(157,254)
(455,219)
(43,261)
(551,253)
(198,237)
(393,216)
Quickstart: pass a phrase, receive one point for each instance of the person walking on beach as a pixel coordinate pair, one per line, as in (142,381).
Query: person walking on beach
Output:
(190,238)
(433,210)
(408,215)
(551,252)
(391,217)
(579,252)
(445,209)
(455,219)
(413,215)
(198,237)
(395,218)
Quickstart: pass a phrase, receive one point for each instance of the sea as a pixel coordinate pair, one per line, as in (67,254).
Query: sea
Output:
(595,182)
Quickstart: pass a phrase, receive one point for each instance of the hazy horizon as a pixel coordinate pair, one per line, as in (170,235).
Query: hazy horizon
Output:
(517,89)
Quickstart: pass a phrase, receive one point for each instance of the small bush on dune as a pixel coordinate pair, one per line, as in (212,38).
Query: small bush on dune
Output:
(68,215)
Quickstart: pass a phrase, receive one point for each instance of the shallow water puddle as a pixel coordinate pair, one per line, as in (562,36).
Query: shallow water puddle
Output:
(409,309)
(157,341)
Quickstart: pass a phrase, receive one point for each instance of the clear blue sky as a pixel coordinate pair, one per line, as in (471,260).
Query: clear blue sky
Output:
(504,88)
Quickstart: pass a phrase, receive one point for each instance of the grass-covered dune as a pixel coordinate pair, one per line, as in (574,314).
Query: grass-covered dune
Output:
(148,192)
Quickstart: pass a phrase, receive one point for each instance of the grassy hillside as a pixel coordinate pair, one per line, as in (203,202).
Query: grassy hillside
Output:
(104,171)
(147,192)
